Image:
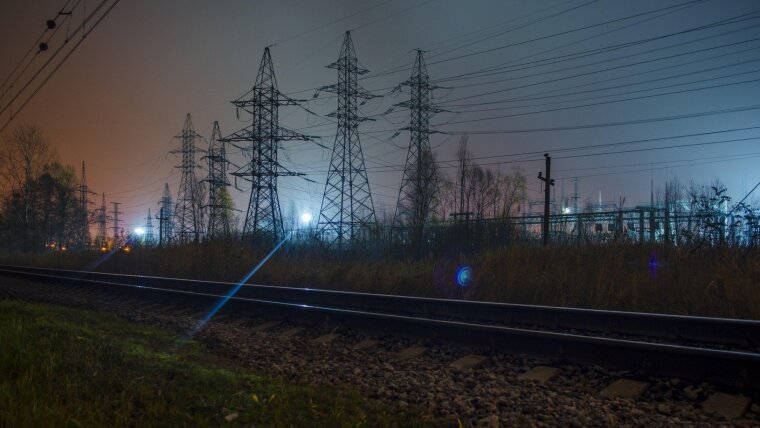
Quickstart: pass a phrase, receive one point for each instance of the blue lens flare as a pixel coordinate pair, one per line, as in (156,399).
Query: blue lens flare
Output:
(202,323)
(653,265)
(464,276)
(94,264)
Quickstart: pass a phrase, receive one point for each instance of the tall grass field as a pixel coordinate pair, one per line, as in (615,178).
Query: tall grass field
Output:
(723,282)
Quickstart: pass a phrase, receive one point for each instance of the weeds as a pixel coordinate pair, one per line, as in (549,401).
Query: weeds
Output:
(714,281)
(70,367)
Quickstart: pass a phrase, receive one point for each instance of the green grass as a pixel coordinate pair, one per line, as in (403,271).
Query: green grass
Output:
(71,367)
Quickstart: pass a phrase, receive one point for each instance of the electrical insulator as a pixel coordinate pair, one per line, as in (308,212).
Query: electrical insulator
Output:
(43,46)
(50,24)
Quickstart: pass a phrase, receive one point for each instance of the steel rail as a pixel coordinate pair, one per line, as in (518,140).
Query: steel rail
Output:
(730,368)
(730,332)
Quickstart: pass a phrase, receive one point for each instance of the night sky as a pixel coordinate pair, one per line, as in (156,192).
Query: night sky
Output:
(123,95)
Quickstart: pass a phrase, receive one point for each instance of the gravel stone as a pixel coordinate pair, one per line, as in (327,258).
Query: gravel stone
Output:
(489,396)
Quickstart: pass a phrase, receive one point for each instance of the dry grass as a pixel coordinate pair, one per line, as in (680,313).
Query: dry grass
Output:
(714,282)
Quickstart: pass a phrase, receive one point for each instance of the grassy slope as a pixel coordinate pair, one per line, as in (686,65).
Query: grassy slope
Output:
(69,367)
(712,282)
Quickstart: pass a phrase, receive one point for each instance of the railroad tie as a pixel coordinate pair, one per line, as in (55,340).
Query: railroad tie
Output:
(625,388)
(539,374)
(726,405)
(468,362)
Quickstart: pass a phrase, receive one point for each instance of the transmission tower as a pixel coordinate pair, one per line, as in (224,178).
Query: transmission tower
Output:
(187,216)
(418,189)
(84,210)
(164,218)
(102,238)
(347,211)
(263,218)
(218,212)
(116,220)
(149,238)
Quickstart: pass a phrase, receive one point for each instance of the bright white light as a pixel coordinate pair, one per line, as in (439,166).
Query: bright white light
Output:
(305,217)
(139,231)
(566,210)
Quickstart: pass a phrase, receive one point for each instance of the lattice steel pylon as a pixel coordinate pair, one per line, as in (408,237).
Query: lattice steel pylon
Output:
(102,237)
(117,231)
(260,140)
(165,217)
(218,198)
(84,210)
(149,239)
(418,190)
(187,216)
(347,213)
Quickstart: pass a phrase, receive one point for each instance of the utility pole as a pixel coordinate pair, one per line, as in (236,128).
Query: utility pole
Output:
(576,195)
(160,218)
(116,221)
(548,182)
(187,216)
(261,140)
(347,211)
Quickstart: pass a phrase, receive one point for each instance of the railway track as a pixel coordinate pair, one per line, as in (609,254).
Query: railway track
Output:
(720,351)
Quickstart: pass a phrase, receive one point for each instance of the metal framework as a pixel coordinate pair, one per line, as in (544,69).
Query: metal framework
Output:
(165,217)
(218,212)
(416,195)
(84,210)
(149,237)
(187,215)
(102,237)
(260,141)
(347,213)
(116,220)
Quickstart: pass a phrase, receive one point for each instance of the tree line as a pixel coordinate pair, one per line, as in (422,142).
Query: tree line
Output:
(40,204)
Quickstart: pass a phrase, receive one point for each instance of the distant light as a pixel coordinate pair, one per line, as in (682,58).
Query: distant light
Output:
(306,217)
(140,231)
(566,210)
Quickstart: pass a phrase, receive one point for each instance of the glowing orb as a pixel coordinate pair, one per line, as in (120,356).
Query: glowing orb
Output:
(305,217)
(139,231)
(464,276)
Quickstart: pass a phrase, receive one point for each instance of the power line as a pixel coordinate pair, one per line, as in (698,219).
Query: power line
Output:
(564,78)
(543,95)
(596,146)
(506,67)
(683,91)
(55,69)
(601,125)
(668,57)
(51,24)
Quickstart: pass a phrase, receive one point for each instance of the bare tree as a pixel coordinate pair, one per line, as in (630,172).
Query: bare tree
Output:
(448,191)
(418,204)
(484,185)
(513,191)
(22,158)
